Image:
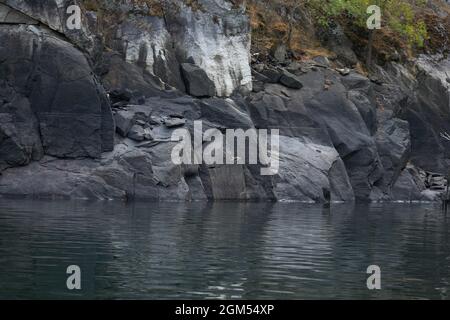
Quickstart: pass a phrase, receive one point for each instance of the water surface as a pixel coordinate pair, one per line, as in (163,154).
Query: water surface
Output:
(222,250)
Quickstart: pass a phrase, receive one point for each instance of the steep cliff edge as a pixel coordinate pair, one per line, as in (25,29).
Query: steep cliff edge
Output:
(89,113)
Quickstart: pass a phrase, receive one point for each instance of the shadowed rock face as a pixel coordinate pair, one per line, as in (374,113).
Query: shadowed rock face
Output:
(52,81)
(422,98)
(429,117)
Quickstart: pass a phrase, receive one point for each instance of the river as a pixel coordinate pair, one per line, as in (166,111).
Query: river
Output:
(222,250)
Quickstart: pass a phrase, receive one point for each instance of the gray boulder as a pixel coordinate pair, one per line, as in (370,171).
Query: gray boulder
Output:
(138,133)
(127,117)
(290,80)
(173,122)
(259,77)
(124,121)
(272,75)
(197,82)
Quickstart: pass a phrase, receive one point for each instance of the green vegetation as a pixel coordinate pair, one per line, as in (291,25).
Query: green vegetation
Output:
(398,16)
(408,27)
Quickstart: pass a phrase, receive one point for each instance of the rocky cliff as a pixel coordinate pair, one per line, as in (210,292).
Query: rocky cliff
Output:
(89,112)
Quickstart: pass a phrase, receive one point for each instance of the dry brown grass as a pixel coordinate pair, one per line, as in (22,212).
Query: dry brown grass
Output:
(270,27)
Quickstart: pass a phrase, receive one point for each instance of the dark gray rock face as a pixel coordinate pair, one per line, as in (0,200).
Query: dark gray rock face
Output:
(422,99)
(311,168)
(197,82)
(71,108)
(394,147)
(53,14)
(429,117)
(225,114)
(19,132)
(346,128)
(11,16)
(407,187)
(341,135)
(328,151)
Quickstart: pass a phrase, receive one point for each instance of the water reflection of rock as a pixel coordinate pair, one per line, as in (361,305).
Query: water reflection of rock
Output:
(222,250)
